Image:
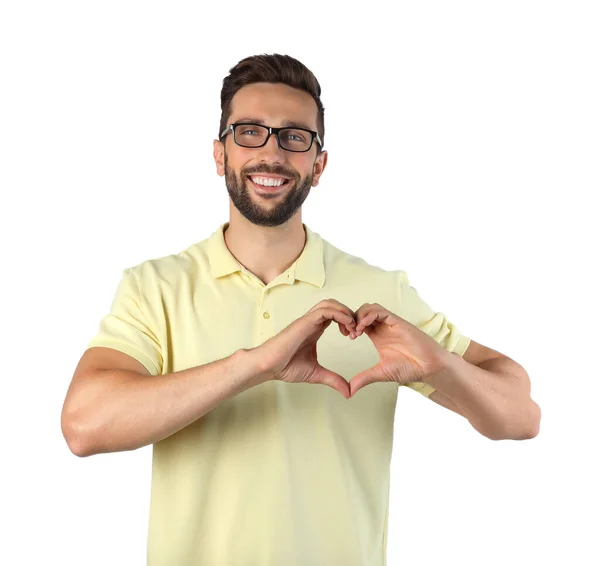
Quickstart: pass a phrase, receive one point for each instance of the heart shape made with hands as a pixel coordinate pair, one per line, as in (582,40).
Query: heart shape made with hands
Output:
(406,354)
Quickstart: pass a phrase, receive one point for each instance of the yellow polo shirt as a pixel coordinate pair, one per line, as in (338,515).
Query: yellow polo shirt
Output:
(280,474)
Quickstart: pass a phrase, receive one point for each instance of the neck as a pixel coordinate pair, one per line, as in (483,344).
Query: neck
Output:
(265,251)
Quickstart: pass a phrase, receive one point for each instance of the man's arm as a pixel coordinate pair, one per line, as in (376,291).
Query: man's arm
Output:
(494,396)
(442,400)
(114,409)
(475,354)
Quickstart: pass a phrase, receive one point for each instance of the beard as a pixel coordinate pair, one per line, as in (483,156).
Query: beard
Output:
(281,211)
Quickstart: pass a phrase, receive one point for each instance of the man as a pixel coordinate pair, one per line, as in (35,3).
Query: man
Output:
(218,356)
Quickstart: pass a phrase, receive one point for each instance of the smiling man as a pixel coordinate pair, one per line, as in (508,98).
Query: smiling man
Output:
(224,358)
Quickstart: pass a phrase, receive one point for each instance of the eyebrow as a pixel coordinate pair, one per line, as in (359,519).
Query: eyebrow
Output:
(286,123)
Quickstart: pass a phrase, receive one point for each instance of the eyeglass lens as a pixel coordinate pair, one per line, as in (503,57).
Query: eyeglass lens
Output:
(254,136)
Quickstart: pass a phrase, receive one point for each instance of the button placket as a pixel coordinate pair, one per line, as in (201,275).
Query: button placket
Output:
(265,314)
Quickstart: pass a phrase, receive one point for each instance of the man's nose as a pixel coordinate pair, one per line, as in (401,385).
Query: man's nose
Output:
(272,150)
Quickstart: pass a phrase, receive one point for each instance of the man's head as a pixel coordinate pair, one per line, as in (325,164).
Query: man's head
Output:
(273,90)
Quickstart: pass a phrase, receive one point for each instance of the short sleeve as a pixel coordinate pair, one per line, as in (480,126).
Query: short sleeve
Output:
(126,328)
(435,324)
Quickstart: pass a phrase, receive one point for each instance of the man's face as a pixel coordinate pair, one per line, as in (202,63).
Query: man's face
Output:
(274,104)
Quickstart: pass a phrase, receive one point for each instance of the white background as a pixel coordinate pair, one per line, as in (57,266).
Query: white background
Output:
(484,197)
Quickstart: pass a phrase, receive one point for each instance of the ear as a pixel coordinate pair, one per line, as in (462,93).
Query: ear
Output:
(219,155)
(319,167)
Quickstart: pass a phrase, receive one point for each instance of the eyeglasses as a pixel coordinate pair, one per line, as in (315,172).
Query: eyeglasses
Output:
(255,135)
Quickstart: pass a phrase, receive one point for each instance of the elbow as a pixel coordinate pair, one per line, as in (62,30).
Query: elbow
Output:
(75,436)
(75,444)
(526,429)
(536,418)
(87,436)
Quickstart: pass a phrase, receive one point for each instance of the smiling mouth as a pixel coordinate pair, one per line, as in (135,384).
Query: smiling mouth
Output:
(268,188)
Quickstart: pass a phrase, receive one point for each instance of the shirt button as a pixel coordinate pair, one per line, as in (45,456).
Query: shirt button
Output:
(266,315)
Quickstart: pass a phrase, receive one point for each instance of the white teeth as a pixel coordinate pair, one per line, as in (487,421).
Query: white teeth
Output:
(267,181)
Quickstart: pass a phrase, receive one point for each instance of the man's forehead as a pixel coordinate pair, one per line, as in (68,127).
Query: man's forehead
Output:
(274,104)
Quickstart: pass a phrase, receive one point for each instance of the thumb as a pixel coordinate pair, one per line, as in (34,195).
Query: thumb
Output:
(364,378)
(333,380)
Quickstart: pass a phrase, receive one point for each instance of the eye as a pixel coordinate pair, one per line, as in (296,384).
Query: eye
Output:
(297,136)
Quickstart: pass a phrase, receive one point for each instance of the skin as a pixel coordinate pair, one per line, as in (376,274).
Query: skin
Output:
(265,232)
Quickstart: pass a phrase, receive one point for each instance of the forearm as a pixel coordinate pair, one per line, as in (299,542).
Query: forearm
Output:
(494,397)
(133,411)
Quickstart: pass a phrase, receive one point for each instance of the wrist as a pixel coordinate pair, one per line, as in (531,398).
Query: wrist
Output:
(442,363)
(249,362)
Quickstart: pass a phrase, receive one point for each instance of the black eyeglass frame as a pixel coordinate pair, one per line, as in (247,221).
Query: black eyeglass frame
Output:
(232,127)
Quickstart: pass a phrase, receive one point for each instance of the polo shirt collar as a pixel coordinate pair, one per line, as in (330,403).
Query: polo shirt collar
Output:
(308,267)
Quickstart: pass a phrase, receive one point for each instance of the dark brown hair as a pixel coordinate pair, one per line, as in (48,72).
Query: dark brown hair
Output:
(273,68)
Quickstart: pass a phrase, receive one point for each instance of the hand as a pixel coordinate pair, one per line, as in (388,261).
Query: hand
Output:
(291,355)
(406,354)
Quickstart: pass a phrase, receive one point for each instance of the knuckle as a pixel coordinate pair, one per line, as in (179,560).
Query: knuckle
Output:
(318,312)
(321,304)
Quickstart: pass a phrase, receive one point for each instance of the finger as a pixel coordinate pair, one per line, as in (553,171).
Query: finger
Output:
(362,311)
(323,314)
(343,329)
(364,378)
(376,313)
(334,303)
(312,323)
(344,307)
(333,380)
(361,314)
(350,328)
(367,320)
(347,330)
(367,308)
